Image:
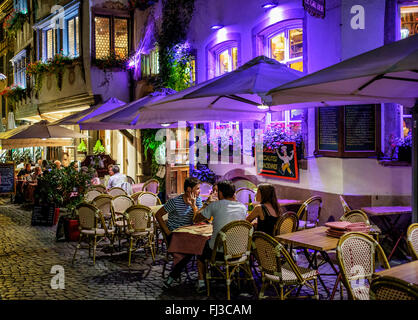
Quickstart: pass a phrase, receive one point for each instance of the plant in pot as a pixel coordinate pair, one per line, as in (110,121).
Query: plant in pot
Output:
(405,148)
(82,148)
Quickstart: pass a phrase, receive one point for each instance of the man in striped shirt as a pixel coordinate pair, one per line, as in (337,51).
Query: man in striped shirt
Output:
(181,210)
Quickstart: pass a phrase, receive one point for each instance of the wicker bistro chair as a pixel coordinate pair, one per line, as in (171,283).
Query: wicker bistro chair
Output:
(235,240)
(412,240)
(361,216)
(309,213)
(104,203)
(390,288)
(151,185)
(130,180)
(91,194)
(148,199)
(345,205)
(287,223)
(116,191)
(119,205)
(89,217)
(138,227)
(135,196)
(356,255)
(99,187)
(277,266)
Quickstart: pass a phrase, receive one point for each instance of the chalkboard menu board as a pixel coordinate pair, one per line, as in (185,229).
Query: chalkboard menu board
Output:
(43,215)
(360,128)
(279,163)
(328,133)
(7,178)
(348,131)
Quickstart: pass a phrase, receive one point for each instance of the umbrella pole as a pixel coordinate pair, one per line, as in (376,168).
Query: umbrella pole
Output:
(414,197)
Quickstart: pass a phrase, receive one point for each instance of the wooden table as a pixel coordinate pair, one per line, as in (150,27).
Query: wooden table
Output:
(313,239)
(407,272)
(390,227)
(288,202)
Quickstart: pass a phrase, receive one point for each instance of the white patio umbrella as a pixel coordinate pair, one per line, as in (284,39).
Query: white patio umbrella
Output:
(386,74)
(2,77)
(238,95)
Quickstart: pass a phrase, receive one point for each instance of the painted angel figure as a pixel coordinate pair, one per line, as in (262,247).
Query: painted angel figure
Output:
(286,160)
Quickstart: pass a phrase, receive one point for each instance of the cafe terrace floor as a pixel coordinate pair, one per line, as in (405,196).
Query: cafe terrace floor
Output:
(28,253)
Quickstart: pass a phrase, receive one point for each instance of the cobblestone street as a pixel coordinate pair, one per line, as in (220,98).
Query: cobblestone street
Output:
(27,254)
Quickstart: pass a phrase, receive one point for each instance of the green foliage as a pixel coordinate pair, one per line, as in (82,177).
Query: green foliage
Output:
(98,148)
(13,23)
(63,187)
(82,146)
(150,144)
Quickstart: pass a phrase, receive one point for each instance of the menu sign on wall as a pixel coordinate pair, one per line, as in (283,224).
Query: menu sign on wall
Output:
(328,132)
(279,163)
(7,178)
(315,8)
(360,128)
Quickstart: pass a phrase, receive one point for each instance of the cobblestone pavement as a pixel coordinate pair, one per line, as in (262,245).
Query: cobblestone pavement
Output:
(27,254)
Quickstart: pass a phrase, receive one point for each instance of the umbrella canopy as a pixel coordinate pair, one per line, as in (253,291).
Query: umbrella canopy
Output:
(2,76)
(108,105)
(233,96)
(386,74)
(38,134)
(125,117)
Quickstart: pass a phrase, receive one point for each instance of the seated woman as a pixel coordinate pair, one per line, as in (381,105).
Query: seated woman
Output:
(267,211)
(95,180)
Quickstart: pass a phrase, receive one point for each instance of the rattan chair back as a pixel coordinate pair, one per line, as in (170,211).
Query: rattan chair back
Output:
(87,215)
(135,195)
(116,191)
(151,185)
(345,205)
(355,216)
(242,195)
(121,203)
(390,288)
(91,194)
(139,217)
(356,255)
(272,256)
(310,211)
(99,187)
(244,183)
(148,199)
(287,223)
(412,240)
(235,239)
(104,203)
(130,180)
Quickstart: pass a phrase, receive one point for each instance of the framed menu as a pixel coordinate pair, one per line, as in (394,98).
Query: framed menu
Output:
(7,178)
(348,131)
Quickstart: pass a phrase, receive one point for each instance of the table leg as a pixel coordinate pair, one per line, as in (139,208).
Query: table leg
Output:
(313,263)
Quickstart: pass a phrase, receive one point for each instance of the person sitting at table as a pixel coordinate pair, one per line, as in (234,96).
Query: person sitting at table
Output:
(35,175)
(95,180)
(268,211)
(27,170)
(223,211)
(116,178)
(57,164)
(181,210)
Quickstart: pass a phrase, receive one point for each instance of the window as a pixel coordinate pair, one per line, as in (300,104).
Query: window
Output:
(111,37)
(226,61)
(287,47)
(73,40)
(19,69)
(59,33)
(20,5)
(149,63)
(409,21)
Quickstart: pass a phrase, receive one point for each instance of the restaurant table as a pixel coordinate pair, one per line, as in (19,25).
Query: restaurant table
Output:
(317,240)
(384,213)
(189,240)
(288,202)
(407,272)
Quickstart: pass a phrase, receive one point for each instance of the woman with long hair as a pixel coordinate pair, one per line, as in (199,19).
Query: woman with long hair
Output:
(267,211)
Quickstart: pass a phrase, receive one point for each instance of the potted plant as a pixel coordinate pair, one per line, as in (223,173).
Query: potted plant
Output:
(82,148)
(405,148)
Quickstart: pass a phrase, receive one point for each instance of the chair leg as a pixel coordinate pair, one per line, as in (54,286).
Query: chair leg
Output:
(228,284)
(263,287)
(77,247)
(281,293)
(207,278)
(94,249)
(316,289)
(130,251)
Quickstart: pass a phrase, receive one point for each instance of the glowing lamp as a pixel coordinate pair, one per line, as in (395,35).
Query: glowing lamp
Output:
(217,26)
(263,107)
(269,5)
(165,124)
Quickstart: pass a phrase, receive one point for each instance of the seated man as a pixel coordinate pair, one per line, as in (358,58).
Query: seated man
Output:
(116,178)
(224,211)
(181,210)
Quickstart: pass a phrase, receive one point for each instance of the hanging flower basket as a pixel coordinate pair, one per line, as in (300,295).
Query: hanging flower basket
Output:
(14,22)
(14,93)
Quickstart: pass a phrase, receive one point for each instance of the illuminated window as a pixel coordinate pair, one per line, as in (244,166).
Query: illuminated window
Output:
(192,70)
(111,37)
(409,21)
(73,43)
(50,43)
(149,63)
(20,5)
(226,61)
(19,69)
(287,47)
